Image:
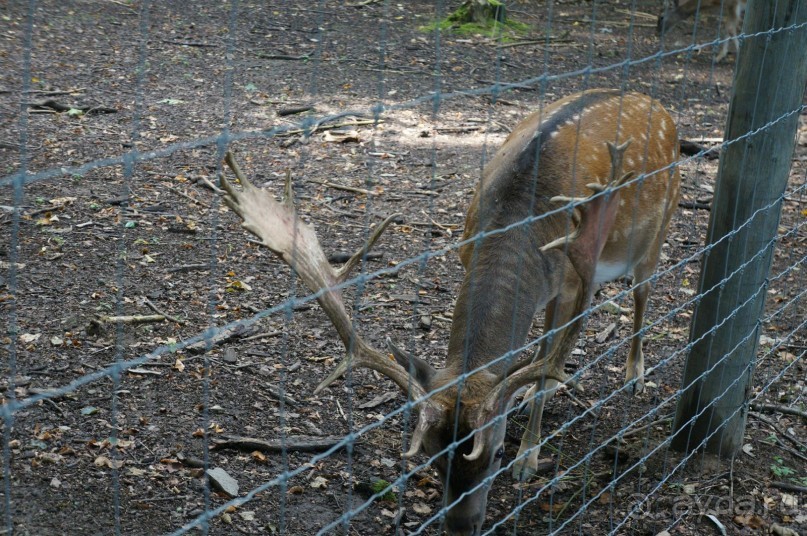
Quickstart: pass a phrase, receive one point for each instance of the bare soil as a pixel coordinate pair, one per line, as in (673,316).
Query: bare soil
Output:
(118,455)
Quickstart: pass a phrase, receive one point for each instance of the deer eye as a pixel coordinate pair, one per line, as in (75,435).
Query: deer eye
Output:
(499,453)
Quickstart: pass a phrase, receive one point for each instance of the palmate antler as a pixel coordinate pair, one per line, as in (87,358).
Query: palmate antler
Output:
(277,226)
(583,247)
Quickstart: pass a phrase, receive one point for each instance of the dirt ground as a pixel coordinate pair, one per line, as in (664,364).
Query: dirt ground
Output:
(122,454)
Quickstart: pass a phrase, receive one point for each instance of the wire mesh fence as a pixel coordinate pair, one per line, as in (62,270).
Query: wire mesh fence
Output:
(160,363)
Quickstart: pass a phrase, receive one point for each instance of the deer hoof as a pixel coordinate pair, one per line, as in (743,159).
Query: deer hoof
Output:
(526,467)
(635,386)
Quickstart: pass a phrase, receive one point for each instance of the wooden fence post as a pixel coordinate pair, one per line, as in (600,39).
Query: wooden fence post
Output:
(769,84)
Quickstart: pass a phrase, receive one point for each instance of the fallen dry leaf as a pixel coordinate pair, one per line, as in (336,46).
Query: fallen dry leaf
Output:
(103,461)
(421,508)
(750,520)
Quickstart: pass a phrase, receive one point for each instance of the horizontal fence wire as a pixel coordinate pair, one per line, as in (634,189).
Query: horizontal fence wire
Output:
(356,507)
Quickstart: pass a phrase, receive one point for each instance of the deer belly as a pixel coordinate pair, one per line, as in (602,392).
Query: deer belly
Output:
(608,271)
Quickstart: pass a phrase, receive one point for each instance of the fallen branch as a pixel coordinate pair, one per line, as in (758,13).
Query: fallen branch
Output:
(189,44)
(293,110)
(690,148)
(132,319)
(786,486)
(617,23)
(639,14)
(342,257)
(771,408)
(282,57)
(51,104)
(289,443)
(319,126)
(226,334)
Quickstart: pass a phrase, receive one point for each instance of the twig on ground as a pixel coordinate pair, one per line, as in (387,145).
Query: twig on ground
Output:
(204,180)
(186,196)
(189,267)
(289,443)
(264,335)
(282,57)
(279,395)
(132,319)
(336,186)
(157,310)
(694,205)
(634,431)
(189,44)
(769,422)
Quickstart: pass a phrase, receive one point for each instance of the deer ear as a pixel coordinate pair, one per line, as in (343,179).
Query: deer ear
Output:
(421,371)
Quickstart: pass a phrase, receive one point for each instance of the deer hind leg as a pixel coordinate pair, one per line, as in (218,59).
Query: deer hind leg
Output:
(526,464)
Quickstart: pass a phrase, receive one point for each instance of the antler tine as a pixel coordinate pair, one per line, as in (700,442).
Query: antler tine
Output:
(277,226)
(342,273)
(288,191)
(617,153)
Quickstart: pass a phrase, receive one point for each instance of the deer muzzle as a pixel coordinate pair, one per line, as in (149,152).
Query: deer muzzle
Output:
(467,516)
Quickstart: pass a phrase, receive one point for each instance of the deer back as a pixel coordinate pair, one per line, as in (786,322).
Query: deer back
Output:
(557,151)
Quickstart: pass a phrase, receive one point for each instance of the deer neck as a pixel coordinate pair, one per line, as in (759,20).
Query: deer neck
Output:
(510,278)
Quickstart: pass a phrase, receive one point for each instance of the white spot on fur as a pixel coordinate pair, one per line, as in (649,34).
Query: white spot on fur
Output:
(629,161)
(554,134)
(621,202)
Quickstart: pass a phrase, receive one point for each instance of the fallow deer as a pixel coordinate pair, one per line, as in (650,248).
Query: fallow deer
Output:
(732,11)
(522,252)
